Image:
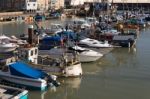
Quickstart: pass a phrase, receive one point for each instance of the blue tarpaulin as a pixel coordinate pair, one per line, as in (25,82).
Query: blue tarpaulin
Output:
(24,70)
(51,38)
(67,34)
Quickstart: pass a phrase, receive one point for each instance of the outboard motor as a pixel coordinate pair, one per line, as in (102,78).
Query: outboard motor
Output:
(52,80)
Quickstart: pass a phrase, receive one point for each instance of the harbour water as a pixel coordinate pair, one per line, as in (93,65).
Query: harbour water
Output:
(121,74)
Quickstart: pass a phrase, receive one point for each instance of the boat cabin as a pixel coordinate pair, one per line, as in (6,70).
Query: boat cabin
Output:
(29,54)
(124,40)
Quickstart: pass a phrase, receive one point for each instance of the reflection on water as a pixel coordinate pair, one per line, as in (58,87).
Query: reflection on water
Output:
(73,83)
(13,28)
(69,86)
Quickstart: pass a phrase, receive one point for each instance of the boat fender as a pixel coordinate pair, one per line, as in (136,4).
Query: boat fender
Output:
(54,77)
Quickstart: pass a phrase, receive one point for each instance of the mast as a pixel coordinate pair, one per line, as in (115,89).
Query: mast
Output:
(93,8)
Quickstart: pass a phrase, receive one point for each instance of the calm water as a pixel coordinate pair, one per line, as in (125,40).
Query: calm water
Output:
(121,74)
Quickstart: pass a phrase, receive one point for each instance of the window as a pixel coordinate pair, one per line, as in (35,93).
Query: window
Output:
(31,52)
(36,51)
(95,43)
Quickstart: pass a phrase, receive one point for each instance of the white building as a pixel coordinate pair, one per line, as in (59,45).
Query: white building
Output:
(31,5)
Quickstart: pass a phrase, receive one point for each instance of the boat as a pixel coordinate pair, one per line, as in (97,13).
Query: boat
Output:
(61,68)
(87,42)
(22,74)
(56,64)
(81,23)
(6,45)
(124,40)
(85,54)
(92,20)
(48,44)
(8,92)
(53,15)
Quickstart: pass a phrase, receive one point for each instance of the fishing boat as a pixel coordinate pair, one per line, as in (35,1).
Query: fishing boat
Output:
(22,74)
(7,92)
(61,66)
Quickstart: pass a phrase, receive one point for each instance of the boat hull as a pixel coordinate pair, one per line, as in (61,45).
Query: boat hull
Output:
(6,49)
(28,82)
(82,57)
(9,92)
(23,95)
(72,70)
(86,58)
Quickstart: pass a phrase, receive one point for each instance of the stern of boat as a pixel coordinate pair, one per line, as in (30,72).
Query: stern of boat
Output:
(73,70)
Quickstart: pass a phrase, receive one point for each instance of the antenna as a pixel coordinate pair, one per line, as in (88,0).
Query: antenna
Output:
(1,29)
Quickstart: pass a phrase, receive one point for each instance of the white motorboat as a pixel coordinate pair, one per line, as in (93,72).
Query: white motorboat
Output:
(80,23)
(91,20)
(111,32)
(85,54)
(53,28)
(6,45)
(94,43)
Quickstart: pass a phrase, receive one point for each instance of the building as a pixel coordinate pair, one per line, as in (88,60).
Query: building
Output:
(56,4)
(122,4)
(42,5)
(11,5)
(18,5)
(115,1)
(30,5)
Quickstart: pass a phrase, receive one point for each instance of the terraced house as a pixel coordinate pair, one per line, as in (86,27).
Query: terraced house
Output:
(18,5)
